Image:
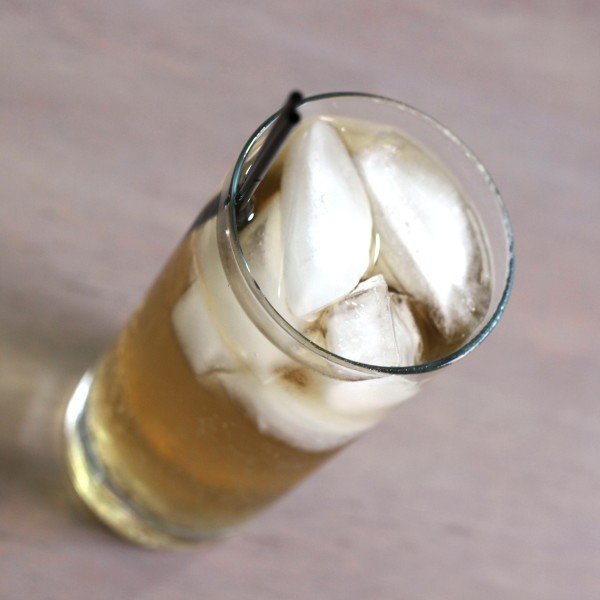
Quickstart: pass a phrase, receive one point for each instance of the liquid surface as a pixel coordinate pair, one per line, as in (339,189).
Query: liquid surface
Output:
(358,137)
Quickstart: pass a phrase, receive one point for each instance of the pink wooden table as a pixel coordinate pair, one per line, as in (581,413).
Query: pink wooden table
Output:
(117,120)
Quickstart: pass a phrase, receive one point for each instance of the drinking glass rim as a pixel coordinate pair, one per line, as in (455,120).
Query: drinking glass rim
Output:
(280,321)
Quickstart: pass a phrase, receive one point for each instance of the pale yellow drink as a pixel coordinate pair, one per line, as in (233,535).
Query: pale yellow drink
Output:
(166,452)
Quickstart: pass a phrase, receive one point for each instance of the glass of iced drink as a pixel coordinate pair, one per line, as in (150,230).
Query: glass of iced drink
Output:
(376,250)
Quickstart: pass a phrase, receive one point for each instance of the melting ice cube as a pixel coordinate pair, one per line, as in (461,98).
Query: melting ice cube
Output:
(360,326)
(262,247)
(408,337)
(377,394)
(200,341)
(374,327)
(295,416)
(428,239)
(238,333)
(326,221)
(261,244)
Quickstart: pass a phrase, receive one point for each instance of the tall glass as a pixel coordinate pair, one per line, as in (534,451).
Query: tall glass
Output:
(168,452)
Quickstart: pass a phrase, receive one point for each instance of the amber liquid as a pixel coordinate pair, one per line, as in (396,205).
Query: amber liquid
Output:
(176,446)
(166,455)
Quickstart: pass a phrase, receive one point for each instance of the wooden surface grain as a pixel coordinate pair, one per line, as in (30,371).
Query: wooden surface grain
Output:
(118,119)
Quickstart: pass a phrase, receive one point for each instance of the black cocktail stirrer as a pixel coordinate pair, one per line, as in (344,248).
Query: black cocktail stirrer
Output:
(286,120)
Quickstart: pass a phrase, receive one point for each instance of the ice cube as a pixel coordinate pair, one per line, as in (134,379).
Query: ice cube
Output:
(261,245)
(428,237)
(263,251)
(326,221)
(381,393)
(360,326)
(374,327)
(237,330)
(408,336)
(200,341)
(295,415)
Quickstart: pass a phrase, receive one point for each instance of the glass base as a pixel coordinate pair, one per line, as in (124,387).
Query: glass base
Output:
(94,487)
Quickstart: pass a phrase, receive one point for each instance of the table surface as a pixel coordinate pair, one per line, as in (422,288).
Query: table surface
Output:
(117,121)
